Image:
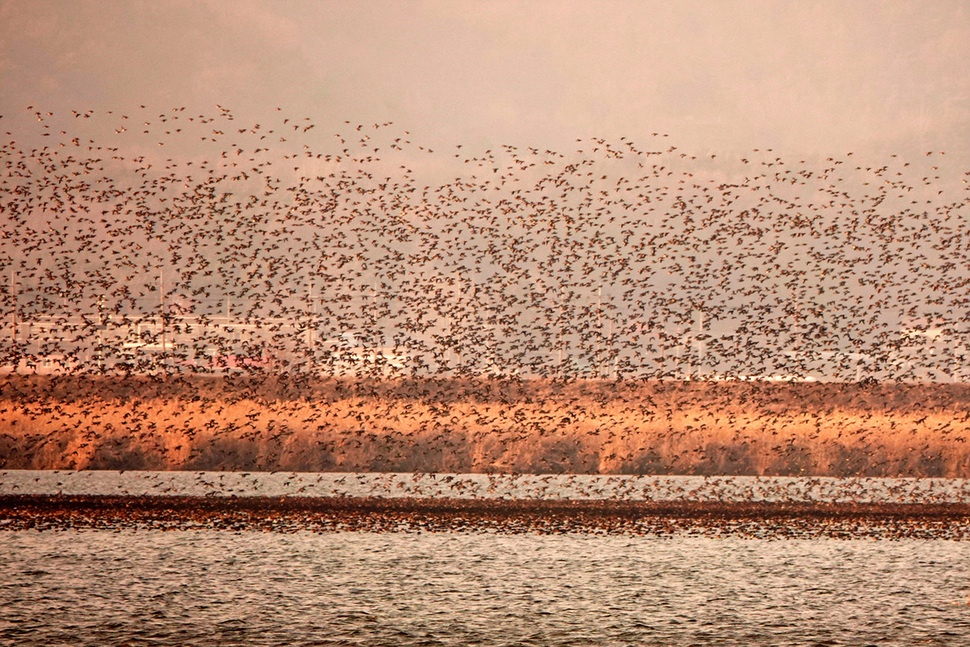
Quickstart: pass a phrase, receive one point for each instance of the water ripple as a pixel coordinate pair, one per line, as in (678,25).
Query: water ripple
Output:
(353,588)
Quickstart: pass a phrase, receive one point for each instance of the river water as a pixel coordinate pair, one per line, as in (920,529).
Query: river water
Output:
(205,587)
(251,588)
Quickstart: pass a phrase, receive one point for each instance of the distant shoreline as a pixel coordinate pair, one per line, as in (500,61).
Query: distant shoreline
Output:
(643,518)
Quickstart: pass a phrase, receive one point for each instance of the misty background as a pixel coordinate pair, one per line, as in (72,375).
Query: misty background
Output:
(743,189)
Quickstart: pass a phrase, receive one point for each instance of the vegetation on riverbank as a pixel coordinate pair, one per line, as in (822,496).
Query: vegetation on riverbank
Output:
(478,425)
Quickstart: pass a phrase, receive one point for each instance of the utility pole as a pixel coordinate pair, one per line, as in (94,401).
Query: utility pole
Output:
(700,340)
(161,304)
(559,321)
(612,349)
(13,309)
(460,326)
(599,332)
(101,327)
(313,311)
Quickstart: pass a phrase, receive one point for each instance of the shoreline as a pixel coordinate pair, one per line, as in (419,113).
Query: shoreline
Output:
(508,516)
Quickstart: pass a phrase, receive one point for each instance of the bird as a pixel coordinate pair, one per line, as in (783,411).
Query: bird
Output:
(326,302)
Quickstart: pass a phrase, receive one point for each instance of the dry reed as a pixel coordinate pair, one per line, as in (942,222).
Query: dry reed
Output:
(519,426)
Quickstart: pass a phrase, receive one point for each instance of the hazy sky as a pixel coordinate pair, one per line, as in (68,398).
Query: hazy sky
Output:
(808,80)
(804,78)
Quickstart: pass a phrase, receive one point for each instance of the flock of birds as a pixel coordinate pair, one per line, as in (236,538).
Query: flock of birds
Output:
(636,518)
(618,259)
(368,255)
(493,486)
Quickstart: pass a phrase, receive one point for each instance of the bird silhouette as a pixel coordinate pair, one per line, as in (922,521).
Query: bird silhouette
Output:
(267,297)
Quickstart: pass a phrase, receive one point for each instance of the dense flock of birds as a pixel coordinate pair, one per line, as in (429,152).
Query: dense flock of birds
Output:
(617,259)
(636,518)
(137,242)
(493,486)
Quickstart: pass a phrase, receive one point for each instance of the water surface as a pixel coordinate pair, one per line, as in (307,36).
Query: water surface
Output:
(198,586)
(204,587)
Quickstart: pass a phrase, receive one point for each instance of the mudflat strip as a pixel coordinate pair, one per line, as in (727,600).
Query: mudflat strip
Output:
(372,514)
